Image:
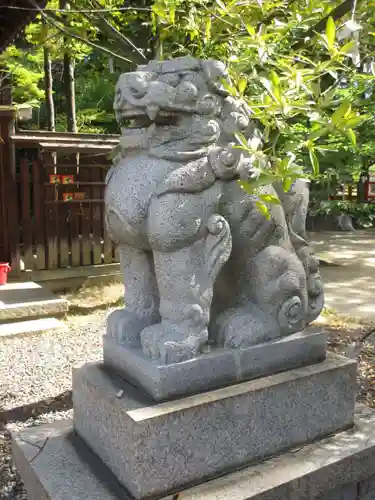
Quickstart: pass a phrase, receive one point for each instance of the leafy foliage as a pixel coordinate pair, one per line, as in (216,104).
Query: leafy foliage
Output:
(303,68)
(362,213)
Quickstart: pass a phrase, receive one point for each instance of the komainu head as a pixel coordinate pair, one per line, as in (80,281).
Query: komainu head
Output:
(184,101)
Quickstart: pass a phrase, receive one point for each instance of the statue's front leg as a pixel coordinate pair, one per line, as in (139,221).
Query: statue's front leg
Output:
(190,246)
(141,297)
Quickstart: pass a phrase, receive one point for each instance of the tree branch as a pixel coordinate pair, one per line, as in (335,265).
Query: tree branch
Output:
(115,32)
(337,13)
(54,20)
(79,11)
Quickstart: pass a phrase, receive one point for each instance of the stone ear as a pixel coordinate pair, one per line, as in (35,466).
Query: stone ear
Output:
(215,72)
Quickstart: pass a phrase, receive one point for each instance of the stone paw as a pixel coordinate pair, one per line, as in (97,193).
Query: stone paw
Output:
(244,327)
(125,327)
(171,346)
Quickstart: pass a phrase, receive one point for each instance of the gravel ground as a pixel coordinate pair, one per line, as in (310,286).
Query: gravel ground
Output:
(37,369)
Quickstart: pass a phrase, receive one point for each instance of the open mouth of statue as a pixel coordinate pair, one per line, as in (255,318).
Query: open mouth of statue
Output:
(144,121)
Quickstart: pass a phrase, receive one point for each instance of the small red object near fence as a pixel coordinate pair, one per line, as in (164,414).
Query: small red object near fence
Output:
(4,270)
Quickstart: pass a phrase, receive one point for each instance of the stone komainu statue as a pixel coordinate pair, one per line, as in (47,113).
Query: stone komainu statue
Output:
(202,265)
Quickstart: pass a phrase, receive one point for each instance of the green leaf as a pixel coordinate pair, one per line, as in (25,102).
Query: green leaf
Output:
(350,134)
(287,184)
(358,120)
(250,29)
(340,112)
(242,85)
(270,198)
(231,90)
(263,209)
(314,162)
(247,187)
(221,5)
(348,47)
(330,33)
(318,133)
(242,140)
(207,29)
(274,78)
(157,9)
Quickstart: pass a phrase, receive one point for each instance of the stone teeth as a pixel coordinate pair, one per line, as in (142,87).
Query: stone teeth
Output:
(152,111)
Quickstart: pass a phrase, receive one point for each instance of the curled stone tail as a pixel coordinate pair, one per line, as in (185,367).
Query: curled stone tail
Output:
(218,244)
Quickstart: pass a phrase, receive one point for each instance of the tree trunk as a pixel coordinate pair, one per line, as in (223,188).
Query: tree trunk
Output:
(70,95)
(48,86)
(69,83)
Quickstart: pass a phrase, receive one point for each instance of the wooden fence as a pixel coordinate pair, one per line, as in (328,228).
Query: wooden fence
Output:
(62,212)
(56,211)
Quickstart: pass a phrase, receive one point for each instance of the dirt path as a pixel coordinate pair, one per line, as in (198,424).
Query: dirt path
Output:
(349,279)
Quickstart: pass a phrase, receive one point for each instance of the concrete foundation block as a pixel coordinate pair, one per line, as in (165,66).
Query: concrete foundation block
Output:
(155,449)
(56,465)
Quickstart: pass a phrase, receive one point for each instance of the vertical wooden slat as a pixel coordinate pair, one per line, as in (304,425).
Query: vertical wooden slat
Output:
(38,205)
(26,218)
(74,235)
(64,216)
(96,214)
(86,241)
(51,227)
(107,250)
(72,211)
(64,250)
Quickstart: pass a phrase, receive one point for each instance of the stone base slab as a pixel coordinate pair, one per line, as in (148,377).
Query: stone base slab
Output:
(56,465)
(155,449)
(217,368)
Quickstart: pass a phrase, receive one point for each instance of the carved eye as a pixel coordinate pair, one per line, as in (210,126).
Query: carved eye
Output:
(171,79)
(118,95)
(208,105)
(138,86)
(186,91)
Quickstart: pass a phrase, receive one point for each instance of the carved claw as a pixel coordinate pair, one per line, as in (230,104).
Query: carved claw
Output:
(125,327)
(169,347)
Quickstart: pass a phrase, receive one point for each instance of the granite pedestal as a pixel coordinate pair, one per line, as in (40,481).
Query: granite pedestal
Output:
(155,449)
(56,465)
(218,368)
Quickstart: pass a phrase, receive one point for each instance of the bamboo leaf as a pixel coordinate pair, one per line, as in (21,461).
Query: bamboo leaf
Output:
(314,161)
(330,33)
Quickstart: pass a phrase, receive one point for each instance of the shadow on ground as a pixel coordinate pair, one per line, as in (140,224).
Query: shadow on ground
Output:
(350,281)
